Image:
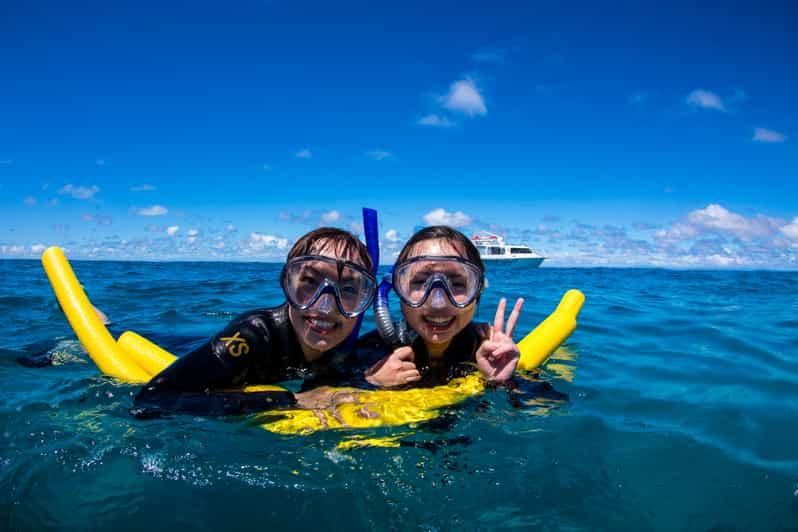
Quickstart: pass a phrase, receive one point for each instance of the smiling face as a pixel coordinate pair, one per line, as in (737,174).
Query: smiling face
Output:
(437,321)
(321,327)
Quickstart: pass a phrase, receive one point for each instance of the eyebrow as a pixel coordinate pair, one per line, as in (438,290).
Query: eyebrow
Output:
(322,273)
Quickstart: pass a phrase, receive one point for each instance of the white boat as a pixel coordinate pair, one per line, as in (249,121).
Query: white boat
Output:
(492,248)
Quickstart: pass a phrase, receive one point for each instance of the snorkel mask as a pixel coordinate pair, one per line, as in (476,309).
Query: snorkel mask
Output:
(458,279)
(310,278)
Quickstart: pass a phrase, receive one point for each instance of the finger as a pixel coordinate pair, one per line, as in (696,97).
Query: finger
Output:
(408,366)
(404,353)
(340,398)
(409,376)
(498,321)
(338,417)
(487,348)
(322,418)
(502,351)
(513,319)
(365,413)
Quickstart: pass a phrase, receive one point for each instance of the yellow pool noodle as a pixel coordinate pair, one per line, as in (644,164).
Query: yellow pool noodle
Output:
(95,338)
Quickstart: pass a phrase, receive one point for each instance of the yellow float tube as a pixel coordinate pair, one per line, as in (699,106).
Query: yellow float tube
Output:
(134,359)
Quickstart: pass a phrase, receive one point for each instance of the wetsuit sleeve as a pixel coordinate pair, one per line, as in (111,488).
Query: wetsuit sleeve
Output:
(195,382)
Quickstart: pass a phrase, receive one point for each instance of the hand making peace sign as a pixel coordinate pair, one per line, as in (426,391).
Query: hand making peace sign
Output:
(498,355)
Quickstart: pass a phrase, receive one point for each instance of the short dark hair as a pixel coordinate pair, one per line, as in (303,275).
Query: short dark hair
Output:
(458,240)
(343,243)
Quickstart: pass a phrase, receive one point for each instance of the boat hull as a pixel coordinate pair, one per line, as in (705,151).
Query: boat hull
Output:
(515,261)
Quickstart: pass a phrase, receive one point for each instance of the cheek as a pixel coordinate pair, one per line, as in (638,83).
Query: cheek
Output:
(467,314)
(411,315)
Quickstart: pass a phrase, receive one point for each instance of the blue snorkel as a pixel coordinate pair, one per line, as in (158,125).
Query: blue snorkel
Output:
(372,232)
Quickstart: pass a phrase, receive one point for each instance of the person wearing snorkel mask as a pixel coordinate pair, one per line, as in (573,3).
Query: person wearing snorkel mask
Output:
(327,282)
(438,277)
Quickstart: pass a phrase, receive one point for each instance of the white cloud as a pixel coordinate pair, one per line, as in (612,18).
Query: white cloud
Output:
(769,136)
(330,217)
(29,200)
(13,250)
(443,217)
(37,248)
(464,97)
(155,210)
(676,233)
(304,154)
(192,232)
(719,218)
(83,193)
(791,229)
(378,155)
(142,188)
(230,228)
(705,99)
(172,230)
(434,120)
(391,235)
(259,241)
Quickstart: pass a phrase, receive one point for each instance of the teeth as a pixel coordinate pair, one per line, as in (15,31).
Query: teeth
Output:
(322,324)
(439,321)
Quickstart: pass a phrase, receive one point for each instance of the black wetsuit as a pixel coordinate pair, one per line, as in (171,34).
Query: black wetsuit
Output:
(458,360)
(258,347)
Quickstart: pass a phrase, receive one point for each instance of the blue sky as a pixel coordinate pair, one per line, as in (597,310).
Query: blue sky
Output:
(621,134)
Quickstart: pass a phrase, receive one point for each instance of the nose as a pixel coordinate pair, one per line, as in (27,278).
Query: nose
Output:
(437,298)
(325,303)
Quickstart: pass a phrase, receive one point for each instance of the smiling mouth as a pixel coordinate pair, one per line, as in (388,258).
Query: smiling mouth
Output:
(321,326)
(438,323)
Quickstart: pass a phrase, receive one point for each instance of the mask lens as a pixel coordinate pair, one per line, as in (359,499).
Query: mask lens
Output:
(414,279)
(355,290)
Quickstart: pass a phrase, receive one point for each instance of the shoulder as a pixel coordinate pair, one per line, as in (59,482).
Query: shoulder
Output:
(250,330)
(264,318)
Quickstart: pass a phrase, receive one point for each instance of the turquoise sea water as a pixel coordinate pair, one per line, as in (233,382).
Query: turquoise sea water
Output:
(682,414)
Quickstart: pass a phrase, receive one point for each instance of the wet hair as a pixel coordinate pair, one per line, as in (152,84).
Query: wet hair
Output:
(344,244)
(464,247)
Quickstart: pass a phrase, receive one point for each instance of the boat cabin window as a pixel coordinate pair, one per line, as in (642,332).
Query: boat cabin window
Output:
(520,250)
(496,251)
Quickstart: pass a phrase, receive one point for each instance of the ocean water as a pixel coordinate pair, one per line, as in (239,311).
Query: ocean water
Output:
(674,406)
